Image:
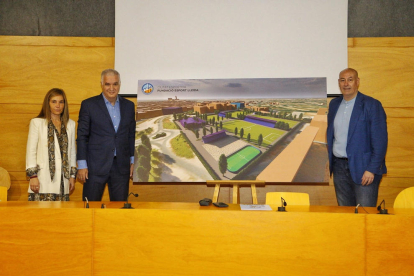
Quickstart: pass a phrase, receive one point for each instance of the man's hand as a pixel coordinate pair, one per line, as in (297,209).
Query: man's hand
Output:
(131,171)
(367,178)
(82,175)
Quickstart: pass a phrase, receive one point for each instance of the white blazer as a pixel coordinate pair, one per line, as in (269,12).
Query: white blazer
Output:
(37,155)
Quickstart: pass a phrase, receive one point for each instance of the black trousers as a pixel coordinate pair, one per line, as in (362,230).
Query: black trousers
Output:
(118,185)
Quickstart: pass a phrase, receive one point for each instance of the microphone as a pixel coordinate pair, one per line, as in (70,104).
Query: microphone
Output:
(128,205)
(382,211)
(87,202)
(282,208)
(356,209)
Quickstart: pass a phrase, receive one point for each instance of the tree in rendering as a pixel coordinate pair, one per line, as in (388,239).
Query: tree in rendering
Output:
(223,164)
(260,139)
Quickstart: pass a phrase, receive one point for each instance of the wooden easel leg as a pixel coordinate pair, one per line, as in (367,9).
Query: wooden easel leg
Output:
(216,193)
(236,198)
(254,194)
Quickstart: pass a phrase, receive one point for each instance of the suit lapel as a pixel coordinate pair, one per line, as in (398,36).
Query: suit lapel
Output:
(104,109)
(122,109)
(356,113)
(335,108)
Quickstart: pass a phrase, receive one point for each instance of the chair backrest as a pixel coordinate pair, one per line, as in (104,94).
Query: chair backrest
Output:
(290,198)
(3,194)
(405,199)
(4,178)
(4,183)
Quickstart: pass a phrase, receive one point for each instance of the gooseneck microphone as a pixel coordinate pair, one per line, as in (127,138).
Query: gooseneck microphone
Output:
(128,205)
(87,202)
(382,211)
(282,208)
(356,209)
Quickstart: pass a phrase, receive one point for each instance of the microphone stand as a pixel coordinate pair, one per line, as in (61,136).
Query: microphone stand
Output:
(382,211)
(128,205)
(282,208)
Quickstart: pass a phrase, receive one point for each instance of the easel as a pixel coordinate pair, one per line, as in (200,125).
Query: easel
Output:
(236,184)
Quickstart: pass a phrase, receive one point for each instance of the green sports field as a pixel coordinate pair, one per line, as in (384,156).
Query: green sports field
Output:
(239,159)
(290,122)
(269,134)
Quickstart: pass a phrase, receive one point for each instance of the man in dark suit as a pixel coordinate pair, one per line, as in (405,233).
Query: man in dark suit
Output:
(105,142)
(357,142)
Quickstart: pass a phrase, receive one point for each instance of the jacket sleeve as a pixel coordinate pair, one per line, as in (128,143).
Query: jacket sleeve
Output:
(72,150)
(131,137)
(379,137)
(32,145)
(83,132)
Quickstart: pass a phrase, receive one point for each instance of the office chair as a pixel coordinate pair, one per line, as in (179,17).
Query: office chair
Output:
(405,199)
(290,198)
(4,184)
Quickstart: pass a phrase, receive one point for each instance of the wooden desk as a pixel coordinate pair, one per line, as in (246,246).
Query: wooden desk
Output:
(188,239)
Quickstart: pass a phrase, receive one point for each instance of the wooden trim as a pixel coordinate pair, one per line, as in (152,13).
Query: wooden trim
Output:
(57,41)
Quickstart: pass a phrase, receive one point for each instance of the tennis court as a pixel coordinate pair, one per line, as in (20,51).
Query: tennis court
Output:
(241,158)
(269,134)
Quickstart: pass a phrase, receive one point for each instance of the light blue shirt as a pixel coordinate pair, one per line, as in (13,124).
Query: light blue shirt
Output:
(341,127)
(115,114)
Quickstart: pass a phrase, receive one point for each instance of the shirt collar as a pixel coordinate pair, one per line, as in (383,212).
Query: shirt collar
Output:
(108,102)
(350,101)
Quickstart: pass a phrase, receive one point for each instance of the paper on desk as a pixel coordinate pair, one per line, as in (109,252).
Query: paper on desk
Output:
(255,207)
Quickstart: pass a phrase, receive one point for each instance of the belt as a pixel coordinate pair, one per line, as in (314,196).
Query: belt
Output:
(342,158)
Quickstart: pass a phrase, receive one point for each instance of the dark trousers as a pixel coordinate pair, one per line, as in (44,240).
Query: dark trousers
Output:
(118,185)
(349,193)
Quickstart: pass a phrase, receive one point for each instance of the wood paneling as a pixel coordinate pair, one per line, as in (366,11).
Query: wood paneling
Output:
(58,238)
(389,241)
(30,66)
(45,241)
(180,242)
(386,67)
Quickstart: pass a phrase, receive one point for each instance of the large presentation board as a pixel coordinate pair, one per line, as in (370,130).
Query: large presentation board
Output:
(201,71)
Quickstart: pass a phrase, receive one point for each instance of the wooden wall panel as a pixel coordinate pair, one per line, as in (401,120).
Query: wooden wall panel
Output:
(386,67)
(30,66)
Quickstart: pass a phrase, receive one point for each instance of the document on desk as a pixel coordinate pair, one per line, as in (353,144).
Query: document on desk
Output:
(255,207)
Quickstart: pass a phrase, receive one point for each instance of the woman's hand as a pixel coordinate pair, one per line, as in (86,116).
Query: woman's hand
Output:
(71,185)
(34,184)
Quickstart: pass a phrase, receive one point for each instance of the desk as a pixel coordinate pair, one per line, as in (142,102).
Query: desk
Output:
(188,239)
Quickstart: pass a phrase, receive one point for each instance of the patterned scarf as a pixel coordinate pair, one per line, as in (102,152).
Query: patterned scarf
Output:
(63,145)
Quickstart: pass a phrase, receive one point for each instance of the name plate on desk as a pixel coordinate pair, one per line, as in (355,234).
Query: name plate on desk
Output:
(255,207)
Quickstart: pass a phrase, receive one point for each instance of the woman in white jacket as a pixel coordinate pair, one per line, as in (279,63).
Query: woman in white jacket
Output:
(51,153)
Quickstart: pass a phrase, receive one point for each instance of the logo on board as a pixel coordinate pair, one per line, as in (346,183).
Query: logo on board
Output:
(147,88)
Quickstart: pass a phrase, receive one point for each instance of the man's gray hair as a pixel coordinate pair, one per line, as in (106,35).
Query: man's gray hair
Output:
(350,69)
(111,72)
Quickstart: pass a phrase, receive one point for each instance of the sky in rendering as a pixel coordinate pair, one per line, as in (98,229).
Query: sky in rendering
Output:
(233,88)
